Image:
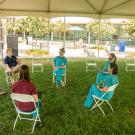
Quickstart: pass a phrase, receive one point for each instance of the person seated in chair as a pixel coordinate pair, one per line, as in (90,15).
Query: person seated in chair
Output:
(112,58)
(25,86)
(12,64)
(104,73)
(102,86)
(59,65)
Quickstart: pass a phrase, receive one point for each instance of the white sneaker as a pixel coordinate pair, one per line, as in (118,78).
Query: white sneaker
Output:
(62,83)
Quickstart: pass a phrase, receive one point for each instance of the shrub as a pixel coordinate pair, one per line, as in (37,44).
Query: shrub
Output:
(37,52)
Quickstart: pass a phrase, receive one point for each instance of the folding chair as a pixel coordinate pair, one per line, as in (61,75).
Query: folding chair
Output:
(64,75)
(130,63)
(10,79)
(91,62)
(37,63)
(25,98)
(99,100)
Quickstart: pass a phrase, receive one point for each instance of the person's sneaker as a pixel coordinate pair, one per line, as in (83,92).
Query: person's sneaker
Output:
(62,83)
(39,124)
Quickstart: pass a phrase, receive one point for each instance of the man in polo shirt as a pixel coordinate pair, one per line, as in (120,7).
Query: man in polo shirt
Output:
(12,64)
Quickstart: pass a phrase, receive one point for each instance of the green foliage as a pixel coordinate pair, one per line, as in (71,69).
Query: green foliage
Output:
(130,27)
(37,52)
(10,25)
(96,47)
(103,27)
(36,26)
(62,109)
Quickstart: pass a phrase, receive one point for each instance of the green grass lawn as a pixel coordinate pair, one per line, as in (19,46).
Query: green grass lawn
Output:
(62,109)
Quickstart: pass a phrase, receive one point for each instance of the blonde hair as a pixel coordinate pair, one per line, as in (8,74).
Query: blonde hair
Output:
(8,49)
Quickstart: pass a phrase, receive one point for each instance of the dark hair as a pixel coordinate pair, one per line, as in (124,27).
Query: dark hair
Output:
(62,50)
(113,56)
(114,66)
(24,73)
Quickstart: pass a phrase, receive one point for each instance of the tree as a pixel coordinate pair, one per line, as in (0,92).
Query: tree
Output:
(130,28)
(36,26)
(61,27)
(103,27)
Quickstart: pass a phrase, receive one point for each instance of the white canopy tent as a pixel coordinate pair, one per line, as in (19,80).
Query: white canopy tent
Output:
(56,8)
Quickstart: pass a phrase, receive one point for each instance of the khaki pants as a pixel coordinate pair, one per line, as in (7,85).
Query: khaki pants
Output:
(15,69)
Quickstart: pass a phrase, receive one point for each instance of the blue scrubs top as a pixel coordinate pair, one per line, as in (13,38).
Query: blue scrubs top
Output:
(60,61)
(110,80)
(106,66)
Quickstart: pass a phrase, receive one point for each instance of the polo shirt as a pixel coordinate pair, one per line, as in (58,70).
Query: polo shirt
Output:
(10,61)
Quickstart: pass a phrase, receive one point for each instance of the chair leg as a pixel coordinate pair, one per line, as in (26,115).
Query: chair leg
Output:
(15,121)
(53,78)
(65,79)
(101,110)
(32,69)
(34,124)
(42,68)
(110,105)
(98,105)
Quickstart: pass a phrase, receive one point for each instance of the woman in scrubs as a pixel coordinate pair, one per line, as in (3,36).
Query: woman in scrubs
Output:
(112,58)
(104,73)
(96,89)
(59,65)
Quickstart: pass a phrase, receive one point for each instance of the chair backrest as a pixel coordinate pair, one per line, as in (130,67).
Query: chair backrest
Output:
(37,59)
(112,88)
(90,57)
(130,59)
(22,97)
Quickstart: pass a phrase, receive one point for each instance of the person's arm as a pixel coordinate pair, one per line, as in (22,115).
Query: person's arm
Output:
(35,97)
(8,68)
(54,67)
(61,66)
(34,93)
(18,61)
(103,89)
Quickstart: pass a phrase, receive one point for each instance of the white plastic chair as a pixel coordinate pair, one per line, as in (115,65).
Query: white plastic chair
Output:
(37,63)
(99,100)
(64,75)
(25,98)
(130,63)
(91,62)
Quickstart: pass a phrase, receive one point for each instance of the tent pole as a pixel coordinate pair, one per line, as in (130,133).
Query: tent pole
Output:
(89,38)
(99,31)
(48,47)
(64,31)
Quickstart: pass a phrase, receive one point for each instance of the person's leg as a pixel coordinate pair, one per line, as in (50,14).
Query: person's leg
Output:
(15,69)
(38,104)
(63,77)
(92,91)
(58,76)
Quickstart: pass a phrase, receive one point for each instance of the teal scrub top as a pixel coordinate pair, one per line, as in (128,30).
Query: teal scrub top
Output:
(106,66)
(60,61)
(111,80)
